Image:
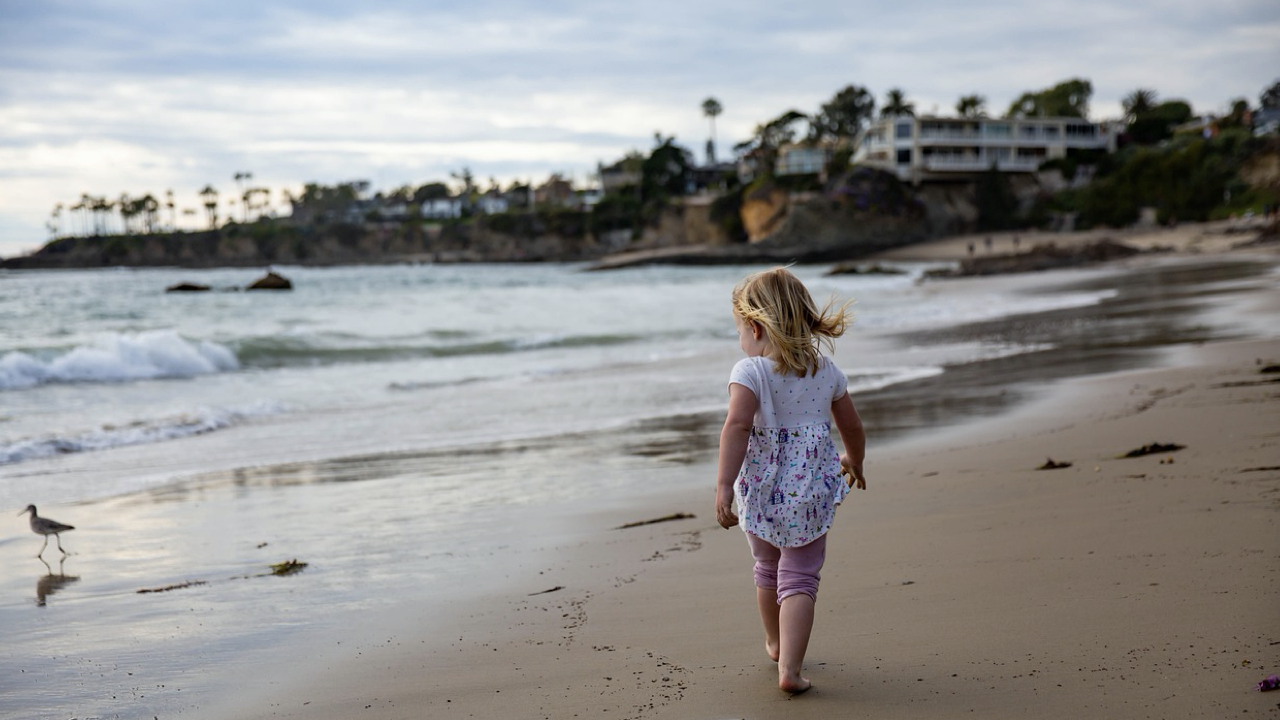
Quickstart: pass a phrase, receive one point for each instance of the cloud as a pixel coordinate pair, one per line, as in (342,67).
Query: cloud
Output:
(142,96)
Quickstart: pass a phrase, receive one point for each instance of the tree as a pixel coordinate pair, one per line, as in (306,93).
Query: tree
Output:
(666,172)
(128,210)
(1137,102)
(1270,98)
(256,200)
(55,220)
(210,197)
(82,208)
(768,137)
(101,208)
(241,178)
(1066,99)
(844,115)
(997,205)
(172,208)
(149,208)
(1157,123)
(971,106)
(468,181)
(711,108)
(1238,115)
(431,191)
(895,103)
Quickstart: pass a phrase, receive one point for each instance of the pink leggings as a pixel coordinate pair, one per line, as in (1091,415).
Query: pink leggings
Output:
(791,571)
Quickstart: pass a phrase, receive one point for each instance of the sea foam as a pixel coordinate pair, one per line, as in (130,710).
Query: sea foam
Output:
(118,358)
(197,422)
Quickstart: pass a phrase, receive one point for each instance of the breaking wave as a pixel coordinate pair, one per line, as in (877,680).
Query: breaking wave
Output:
(117,358)
(199,422)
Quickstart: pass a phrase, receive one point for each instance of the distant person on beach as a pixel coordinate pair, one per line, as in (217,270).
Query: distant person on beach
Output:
(777,458)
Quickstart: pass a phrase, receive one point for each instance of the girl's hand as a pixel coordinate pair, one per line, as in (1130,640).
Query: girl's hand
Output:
(856,479)
(724,509)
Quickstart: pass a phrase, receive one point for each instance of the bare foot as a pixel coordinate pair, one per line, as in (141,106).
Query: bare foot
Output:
(771,647)
(795,685)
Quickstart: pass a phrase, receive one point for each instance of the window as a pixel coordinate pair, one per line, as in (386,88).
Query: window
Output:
(1081,131)
(1001,130)
(1051,132)
(903,130)
(904,156)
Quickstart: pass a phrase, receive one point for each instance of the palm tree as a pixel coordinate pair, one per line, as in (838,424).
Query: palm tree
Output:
(241,179)
(971,106)
(210,197)
(101,206)
(128,209)
(55,218)
(895,103)
(171,207)
(1138,102)
(256,200)
(80,208)
(711,107)
(149,208)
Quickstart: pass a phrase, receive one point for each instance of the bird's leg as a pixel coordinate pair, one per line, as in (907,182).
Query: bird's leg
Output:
(59,539)
(42,547)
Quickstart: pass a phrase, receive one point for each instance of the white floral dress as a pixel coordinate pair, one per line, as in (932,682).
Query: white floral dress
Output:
(790,482)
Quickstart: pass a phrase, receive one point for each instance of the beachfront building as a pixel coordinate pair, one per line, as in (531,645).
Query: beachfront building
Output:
(803,159)
(919,149)
(448,208)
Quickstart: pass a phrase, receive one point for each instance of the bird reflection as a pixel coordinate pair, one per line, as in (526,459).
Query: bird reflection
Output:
(51,583)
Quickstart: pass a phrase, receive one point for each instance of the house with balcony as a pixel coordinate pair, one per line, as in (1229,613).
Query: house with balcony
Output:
(923,149)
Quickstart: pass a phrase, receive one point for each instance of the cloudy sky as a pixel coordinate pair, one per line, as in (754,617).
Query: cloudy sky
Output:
(135,96)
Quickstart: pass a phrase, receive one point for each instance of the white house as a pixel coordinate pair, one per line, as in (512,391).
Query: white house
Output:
(442,208)
(492,204)
(938,148)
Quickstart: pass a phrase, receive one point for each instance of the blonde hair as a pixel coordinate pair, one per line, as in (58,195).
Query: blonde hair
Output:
(778,302)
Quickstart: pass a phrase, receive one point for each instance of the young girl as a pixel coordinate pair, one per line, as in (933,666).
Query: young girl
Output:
(777,458)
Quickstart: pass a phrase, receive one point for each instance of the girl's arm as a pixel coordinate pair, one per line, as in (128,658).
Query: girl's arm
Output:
(733,449)
(849,425)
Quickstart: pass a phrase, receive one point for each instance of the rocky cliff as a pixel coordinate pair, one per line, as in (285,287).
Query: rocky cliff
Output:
(853,216)
(280,243)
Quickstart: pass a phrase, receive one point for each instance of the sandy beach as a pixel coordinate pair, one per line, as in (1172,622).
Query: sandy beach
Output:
(963,581)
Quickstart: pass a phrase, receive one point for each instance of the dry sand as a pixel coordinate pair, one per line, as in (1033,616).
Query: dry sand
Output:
(1187,238)
(963,583)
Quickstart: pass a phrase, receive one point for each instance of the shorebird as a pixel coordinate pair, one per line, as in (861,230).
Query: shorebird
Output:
(46,527)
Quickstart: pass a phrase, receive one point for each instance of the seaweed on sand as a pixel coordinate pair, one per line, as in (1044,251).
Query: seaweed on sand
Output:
(1051,464)
(665,518)
(1152,449)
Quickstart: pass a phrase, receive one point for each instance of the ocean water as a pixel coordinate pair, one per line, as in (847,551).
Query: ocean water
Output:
(423,435)
(109,385)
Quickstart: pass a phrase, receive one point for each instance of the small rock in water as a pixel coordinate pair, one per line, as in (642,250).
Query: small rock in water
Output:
(187,287)
(271,281)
